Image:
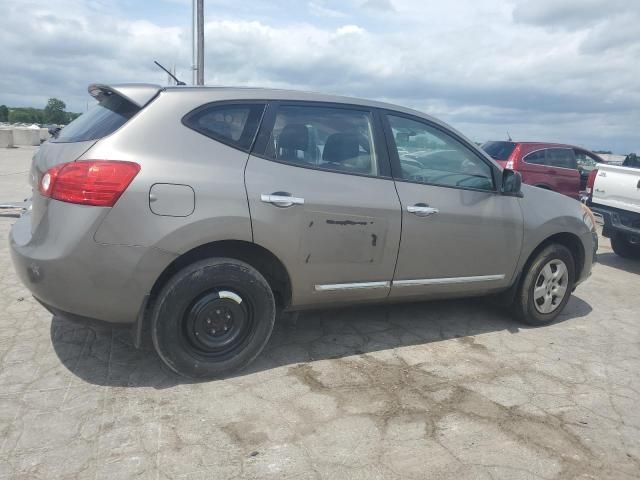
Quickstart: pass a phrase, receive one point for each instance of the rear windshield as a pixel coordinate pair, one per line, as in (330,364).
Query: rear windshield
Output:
(499,150)
(99,121)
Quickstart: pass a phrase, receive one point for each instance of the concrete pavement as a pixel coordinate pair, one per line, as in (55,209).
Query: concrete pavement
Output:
(442,390)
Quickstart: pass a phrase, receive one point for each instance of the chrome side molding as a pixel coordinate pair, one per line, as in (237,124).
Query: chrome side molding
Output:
(446,281)
(351,286)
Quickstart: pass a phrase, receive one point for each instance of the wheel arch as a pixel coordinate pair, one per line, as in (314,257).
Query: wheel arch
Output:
(255,255)
(567,239)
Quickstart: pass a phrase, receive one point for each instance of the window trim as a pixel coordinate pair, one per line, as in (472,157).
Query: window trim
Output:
(496,174)
(221,103)
(269,120)
(546,153)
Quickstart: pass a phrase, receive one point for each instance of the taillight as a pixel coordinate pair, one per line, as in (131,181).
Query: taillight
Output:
(511,160)
(91,182)
(591,180)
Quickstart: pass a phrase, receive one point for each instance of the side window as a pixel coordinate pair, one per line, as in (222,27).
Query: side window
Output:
(537,158)
(561,157)
(235,125)
(323,137)
(428,155)
(586,163)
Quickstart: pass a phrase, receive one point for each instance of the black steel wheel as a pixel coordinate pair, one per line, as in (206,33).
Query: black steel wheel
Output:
(213,318)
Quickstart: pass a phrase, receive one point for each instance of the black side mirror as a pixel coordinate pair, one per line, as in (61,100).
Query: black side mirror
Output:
(511,183)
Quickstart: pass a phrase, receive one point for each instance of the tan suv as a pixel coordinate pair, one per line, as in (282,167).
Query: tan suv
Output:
(199,211)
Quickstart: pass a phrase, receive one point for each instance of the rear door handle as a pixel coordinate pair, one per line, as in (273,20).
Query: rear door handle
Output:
(552,172)
(422,210)
(281,199)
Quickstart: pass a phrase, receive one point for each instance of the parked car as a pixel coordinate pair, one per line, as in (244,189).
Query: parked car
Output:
(552,166)
(200,212)
(614,193)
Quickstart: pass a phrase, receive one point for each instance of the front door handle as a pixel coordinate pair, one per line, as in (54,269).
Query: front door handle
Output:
(281,199)
(422,210)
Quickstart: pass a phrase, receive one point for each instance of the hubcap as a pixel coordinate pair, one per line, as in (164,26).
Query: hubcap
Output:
(217,322)
(551,286)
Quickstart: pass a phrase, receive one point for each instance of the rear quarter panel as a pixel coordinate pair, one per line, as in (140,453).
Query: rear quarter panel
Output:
(171,153)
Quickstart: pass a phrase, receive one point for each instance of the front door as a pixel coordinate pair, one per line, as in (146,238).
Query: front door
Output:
(564,166)
(459,235)
(322,200)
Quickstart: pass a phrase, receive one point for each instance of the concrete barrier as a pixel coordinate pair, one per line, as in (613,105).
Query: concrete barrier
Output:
(26,136)
(6,137)
(44,134)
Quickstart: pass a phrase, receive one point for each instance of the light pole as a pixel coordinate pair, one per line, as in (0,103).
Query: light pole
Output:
(194,67)
(200,41)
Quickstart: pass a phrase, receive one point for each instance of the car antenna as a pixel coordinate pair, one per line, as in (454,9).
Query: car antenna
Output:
(178,82)
(509,136)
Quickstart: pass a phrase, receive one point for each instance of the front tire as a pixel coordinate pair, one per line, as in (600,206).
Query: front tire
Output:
(622,247)
(546,286)
(212,318)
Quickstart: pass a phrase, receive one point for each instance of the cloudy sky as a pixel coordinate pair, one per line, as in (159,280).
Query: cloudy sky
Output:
(553,70)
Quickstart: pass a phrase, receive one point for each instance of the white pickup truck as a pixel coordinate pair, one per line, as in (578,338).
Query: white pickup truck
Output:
(614,193)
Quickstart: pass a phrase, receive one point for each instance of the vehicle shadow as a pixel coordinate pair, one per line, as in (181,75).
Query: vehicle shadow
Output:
(104,355)
(610,259)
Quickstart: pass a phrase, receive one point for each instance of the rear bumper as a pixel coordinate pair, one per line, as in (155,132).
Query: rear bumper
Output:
(68,271)
(618,221)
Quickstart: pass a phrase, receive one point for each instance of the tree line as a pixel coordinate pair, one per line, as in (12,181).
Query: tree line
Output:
(53,112)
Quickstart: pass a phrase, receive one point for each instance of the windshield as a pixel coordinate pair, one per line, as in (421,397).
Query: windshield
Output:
(99,121)
(499,150)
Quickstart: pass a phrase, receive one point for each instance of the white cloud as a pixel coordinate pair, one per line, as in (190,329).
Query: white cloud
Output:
(321,10)
(539,72)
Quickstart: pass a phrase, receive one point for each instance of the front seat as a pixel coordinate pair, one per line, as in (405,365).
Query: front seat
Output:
(294,138)
(340,148)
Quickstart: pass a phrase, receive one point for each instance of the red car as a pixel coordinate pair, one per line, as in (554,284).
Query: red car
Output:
(554,166)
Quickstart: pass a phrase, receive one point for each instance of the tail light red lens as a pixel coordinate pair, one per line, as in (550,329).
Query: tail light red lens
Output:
(89,182)
(591,180)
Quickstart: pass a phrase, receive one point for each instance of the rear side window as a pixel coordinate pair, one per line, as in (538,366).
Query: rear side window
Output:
(99,121)
(499,150)
(561,157)
(233,124)
(327,138)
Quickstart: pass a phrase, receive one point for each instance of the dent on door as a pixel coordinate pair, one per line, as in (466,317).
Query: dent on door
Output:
(340,239)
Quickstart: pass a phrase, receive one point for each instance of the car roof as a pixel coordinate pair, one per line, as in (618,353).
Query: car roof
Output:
(259,93)
(141,93)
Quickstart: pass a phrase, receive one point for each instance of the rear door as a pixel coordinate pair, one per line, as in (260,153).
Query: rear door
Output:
(534,169)
(322,200)
(459,235)
(564,169)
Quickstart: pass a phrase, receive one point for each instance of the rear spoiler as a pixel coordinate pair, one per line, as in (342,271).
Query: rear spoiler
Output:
(137,93)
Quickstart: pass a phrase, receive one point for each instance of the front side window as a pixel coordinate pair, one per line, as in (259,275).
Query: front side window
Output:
(322,137)
(234,124)
(428,155)
(586,163)
(561,157)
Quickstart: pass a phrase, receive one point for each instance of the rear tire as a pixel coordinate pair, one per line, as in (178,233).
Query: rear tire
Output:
(212,318)
(622,247)
(546,286)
